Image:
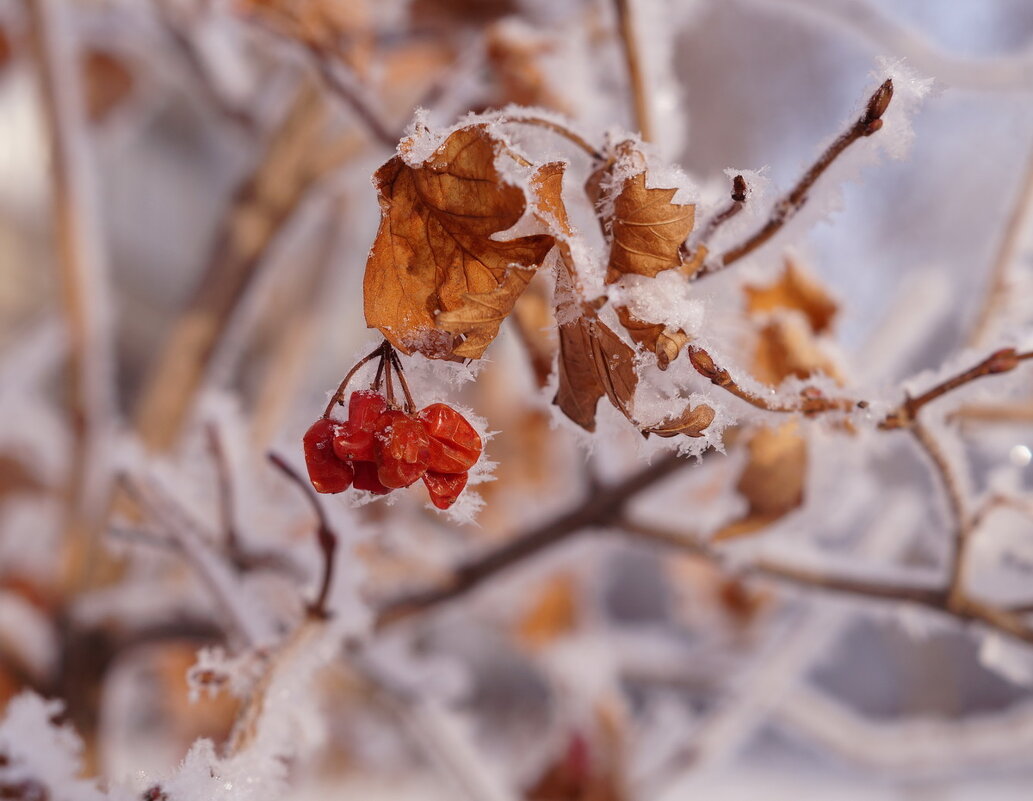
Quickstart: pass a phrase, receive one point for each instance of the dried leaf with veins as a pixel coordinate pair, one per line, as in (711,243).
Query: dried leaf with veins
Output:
(434,252)
(647,230)
(692,423)
(593,360)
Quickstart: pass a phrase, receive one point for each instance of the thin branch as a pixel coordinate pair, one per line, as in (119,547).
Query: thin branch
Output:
(224,483)
(999,288)
(193,59)
(994,413)
(810,400)
(84,282)
(961,519)
(636,78)
(786,208)
(355,96)
(738,201)
(325,535)
(561,130)
(262,208)
(939,599)
(1000,361)
(183,529)
(600,507)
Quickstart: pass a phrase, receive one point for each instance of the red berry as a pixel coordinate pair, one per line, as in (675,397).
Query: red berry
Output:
(403,449)
(353,443)
(444,488)
(326,471)
(366,479)
(365,408)
(455,444)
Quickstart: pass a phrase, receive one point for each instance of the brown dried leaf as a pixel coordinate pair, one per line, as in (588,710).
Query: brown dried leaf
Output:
(647,230)
(593,362)
(434,253)
(773,480)
(692,423)
(656,338)
(786,348)
(553,612)
(478,320)
(514,51)
(795,289)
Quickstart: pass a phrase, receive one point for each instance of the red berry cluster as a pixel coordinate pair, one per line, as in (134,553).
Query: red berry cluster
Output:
(380,447)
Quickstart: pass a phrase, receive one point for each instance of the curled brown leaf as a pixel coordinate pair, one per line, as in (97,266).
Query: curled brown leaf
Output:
(692,423)
(434,253)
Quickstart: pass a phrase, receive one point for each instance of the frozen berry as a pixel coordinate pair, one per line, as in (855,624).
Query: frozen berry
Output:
(365,408)
(403,449)
(455,445)
(444,488)
(326,471)
(354,443)
(366,479)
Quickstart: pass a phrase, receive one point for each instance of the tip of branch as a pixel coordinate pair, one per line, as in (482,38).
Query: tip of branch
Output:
(877,105)
(739,189)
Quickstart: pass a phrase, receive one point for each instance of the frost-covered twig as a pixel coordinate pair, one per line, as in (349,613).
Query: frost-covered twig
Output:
(738,201)
(633,62)
(183,529)
(602,506)
(558,129)
(961,520)
(1000,361)
(784,210)
(810,401)
(324,534)
(937,598)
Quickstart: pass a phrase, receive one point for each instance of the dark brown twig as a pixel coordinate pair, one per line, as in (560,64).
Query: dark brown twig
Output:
(601,507)
(738,201)
(787,207)
(936,598)
(324,534)
(1000,361)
